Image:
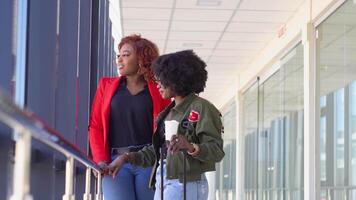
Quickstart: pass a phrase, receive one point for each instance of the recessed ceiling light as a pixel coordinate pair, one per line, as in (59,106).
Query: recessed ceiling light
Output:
(192,44)
(208,3)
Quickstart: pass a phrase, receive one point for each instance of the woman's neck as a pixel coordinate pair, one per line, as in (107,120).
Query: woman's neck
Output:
(135,80)
(178,99)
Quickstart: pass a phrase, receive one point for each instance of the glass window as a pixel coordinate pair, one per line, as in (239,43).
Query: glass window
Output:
(249,130)
(339,134)
(352,127)
(336,50)
(226,171)
(323,148)
(273,127)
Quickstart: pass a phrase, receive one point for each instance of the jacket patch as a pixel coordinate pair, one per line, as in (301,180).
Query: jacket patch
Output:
(194,116)
(185,123)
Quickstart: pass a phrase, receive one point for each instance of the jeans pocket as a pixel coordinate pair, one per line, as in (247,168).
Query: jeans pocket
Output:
(203,189)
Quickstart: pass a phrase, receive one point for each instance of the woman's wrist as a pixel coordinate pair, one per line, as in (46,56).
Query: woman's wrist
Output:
(195,150)
(191,147)
(128,157)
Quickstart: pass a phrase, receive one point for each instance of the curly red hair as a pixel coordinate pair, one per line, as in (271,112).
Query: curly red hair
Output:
(146,52)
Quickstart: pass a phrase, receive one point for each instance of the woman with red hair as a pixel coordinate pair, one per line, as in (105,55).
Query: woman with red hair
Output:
(122,118)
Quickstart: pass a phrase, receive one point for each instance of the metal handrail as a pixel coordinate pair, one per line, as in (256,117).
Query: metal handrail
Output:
(250,193)
(344,189)
(26,126)
(338,187)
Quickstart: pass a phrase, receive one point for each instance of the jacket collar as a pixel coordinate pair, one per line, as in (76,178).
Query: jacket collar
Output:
(165,112)
(182,107)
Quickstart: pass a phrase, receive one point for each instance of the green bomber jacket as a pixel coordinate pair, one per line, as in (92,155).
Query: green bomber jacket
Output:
(201,124)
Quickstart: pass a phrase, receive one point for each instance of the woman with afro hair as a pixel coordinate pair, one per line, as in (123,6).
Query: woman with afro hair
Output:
(122,118)
(182,76)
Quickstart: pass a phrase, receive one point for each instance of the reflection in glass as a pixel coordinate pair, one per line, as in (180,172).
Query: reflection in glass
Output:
(336,60)
(323,148)
(249,130)
(273,127)
(339,137)
(226,170)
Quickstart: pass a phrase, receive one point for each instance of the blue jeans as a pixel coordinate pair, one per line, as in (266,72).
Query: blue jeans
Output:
(173,189)
(131,183)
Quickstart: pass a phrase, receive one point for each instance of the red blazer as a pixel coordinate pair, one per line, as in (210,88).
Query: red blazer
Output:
(99,117)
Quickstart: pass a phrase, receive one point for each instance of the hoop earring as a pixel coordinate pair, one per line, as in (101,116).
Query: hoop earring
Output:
(139,69)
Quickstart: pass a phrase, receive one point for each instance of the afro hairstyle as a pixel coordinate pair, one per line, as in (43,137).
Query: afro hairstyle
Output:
(183,72)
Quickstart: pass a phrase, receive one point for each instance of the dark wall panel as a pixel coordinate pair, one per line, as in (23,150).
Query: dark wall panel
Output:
(67,69)
(60,82)
(84,76)
(6,73)
(41,88)
(6,156)
(42,59)
(6,55)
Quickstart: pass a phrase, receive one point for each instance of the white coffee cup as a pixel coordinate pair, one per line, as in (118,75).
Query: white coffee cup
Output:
(171,128)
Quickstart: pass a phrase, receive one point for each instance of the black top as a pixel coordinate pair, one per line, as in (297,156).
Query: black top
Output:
(131,117)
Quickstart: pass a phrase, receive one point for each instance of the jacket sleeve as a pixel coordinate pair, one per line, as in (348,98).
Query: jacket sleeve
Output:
(96,134)
(208,130)
(146,157)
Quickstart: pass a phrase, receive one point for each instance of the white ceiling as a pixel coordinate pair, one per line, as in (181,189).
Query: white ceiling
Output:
(227,35)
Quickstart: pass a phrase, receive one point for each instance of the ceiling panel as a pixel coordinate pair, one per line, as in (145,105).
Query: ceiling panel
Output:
(199,52)
(197,26)
(234,59)
(151,35)
(203,15)
(273,5)
(144,14)
(135,25)
(250,37)
(207,4)
(191,45)
(261,16)
(206,36)
(234,53)
(222,69)
(249,27)
(241,45)
(147,4)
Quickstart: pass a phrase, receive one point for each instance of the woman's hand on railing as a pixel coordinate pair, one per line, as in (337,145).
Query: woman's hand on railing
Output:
(115,166)
(103,169)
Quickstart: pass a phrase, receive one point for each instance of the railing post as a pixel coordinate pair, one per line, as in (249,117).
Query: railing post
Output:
(99,193)
(87,195)
(69,195)
(21,183)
